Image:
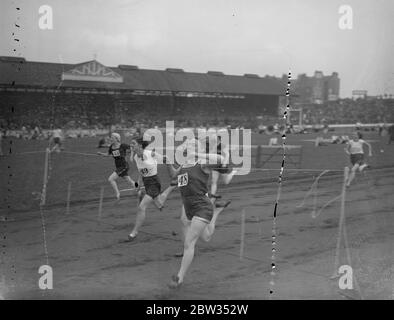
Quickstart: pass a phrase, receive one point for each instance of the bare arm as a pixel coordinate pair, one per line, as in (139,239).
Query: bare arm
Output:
(172,171)
(103,154)
(131,156)
(159,157)
(226,152)
(369,148)
(347,149)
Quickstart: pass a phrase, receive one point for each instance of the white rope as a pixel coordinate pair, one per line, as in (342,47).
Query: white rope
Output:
(315,215)
(81,153)
(313,188)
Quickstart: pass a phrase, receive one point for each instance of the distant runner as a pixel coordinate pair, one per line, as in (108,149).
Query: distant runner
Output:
(118,151)
(355,149)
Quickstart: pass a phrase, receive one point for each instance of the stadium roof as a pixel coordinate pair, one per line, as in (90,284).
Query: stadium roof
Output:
(43,74)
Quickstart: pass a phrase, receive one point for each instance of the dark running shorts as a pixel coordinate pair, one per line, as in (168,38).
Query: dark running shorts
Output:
(122,171)
(223,170)
(199,206)
(56,140)
(357,158)
(152,186)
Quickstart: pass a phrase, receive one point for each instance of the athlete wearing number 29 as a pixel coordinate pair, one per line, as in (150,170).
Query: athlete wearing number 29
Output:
(146,162)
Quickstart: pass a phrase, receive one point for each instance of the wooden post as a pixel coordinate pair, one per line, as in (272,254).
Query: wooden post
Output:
(258,157)
(101,202)
(44,188)
(241,251)
(68,198)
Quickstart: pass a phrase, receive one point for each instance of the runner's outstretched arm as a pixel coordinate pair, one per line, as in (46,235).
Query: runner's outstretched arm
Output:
(369,148)
(347,149)
(103,154)
(172,171)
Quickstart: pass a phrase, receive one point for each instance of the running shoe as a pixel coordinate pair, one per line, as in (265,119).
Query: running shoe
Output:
(131,238)
(179,254)
(140,196)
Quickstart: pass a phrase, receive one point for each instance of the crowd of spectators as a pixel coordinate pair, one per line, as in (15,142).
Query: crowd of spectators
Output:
(87,116)
(348,111)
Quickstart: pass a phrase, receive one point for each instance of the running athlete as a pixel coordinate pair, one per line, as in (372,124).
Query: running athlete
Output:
(118,151)
(198,213)
(57,137)
(355,149)
(146,162)
(223,170)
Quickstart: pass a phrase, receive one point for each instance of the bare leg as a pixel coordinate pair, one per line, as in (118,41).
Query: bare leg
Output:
(352,174)
(140,190)
(131,181)
(193,233)
(228,177)
(210,228)
(112,180)
(55,148)
(141,194)
(362,167)
(185,225)
(141,213)
(214,182)
(162,197)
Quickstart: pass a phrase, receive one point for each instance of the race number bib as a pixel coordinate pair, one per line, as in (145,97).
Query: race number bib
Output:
(144,171)
(183,180)
(116,153)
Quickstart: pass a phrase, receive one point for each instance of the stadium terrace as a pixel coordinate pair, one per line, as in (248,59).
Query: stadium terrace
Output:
(56,93)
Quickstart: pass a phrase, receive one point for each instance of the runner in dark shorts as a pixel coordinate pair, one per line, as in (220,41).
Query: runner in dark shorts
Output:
(198,212)
(122,171)
(193,184)
(218,151)
(57,135)
(119,151)
(147,162)
(355,149)
(152,186)
(223,170)
(357,158)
